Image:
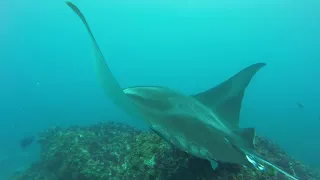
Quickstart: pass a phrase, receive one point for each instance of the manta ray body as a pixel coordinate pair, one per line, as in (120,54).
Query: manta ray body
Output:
(205,125)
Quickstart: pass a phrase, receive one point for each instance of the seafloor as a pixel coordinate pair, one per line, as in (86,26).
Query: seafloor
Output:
(114,151)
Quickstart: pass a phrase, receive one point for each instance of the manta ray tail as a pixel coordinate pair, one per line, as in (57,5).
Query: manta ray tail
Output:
(109,84)
(275,167)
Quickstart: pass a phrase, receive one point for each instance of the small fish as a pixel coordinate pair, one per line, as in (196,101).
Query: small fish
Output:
(301,106)
(26,141)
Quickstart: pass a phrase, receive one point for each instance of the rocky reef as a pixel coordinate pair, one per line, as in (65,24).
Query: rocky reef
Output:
(113,151)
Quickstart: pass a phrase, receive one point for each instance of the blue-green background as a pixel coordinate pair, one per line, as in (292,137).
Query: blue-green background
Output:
(47,77)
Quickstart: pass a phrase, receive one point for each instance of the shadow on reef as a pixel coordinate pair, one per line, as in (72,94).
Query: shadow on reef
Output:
(114,151)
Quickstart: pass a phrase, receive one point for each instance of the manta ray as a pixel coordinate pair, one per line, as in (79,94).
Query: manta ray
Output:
(205,125)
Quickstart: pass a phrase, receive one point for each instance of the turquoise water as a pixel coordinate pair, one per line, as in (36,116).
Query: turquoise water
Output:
(47,77)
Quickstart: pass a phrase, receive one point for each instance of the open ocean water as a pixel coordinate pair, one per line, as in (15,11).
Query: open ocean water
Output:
(47,76)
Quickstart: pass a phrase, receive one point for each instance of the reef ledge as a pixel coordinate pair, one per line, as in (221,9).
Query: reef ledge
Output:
(115,151)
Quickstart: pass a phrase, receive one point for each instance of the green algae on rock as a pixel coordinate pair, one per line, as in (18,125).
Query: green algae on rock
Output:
(114,151)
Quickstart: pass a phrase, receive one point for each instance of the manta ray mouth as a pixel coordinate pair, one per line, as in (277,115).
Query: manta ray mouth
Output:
(255,164)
